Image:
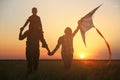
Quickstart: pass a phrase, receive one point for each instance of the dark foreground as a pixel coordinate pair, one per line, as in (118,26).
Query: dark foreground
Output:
(54,70)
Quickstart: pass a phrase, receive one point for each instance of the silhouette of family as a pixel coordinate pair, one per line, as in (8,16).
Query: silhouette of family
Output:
(35,34)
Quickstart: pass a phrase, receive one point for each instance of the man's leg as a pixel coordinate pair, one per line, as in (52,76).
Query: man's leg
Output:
(29,60)
(36,60)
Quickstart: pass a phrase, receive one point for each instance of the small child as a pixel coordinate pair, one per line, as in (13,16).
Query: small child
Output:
(67,47)
(35,25)
(34,21)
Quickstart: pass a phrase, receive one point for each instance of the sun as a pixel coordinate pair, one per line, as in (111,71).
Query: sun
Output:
(82,56)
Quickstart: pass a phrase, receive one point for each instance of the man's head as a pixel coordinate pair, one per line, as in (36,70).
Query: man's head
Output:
(68,31)
(34,10)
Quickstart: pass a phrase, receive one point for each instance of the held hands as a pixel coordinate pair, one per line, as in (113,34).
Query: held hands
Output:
(50,53)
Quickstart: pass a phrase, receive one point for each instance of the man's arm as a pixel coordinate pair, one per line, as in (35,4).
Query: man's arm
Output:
(43,41)
(45,45)
(21,37)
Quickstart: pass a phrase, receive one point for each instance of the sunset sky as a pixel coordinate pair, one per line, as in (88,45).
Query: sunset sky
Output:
(56,15)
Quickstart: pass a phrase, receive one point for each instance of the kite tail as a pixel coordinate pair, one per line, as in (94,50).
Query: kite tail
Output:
(105,42)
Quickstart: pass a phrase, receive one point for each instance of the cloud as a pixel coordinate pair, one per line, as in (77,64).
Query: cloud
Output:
(116,6)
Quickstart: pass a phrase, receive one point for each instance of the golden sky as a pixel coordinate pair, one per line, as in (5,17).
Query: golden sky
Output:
(56,15)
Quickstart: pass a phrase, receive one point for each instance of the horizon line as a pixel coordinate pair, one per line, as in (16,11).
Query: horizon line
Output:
(61,60)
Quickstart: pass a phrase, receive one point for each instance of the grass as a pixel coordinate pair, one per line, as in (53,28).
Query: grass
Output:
(54,70)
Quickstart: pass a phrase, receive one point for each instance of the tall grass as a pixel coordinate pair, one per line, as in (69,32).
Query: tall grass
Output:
(54,70)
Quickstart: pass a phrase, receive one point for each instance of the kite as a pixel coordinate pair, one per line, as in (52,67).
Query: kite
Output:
(86,23)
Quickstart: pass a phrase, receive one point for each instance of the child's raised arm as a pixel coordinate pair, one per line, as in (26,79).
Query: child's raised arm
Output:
(27,21)
(74,33)
(57,46)
(78,27)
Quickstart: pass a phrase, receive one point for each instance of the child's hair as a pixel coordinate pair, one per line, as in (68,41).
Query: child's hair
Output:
(68,30)
(34,10)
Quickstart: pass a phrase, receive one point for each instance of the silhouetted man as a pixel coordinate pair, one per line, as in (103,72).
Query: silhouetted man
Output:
(67,47)
(34,35)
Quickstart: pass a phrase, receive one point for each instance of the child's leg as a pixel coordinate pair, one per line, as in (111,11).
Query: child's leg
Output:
(67,59)
(44,44)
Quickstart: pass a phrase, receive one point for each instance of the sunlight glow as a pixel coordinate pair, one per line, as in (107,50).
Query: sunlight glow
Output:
(82,56)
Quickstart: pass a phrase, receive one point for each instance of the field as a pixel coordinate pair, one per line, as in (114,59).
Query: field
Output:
(54,70)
